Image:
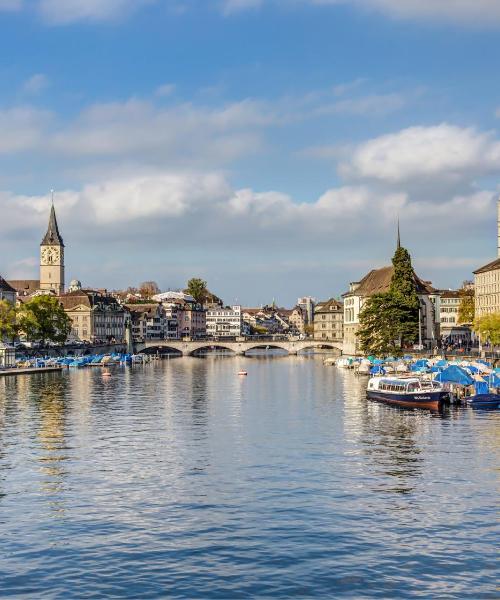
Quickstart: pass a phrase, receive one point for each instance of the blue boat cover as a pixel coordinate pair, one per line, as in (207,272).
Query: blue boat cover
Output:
(494,380)
(455,374)
(481,387)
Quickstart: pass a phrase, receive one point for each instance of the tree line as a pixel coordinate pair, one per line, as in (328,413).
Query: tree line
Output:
(40,319)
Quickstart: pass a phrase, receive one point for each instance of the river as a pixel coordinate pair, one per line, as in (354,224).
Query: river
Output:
(181,479)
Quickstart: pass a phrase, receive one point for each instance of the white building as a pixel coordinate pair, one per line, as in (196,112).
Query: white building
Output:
(379,281)
(225,322)
(307,304)
(451,329)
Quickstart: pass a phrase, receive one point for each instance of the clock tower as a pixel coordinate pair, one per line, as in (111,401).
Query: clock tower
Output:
(52,257)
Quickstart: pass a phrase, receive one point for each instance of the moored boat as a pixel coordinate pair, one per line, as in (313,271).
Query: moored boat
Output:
(490,401)
(407,391)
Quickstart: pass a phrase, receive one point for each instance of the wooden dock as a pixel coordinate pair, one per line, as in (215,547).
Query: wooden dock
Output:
(28,371)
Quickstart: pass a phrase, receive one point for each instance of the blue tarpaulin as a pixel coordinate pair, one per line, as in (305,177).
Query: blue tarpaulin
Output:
(481,387)
(455,374)
(421,363)
(494,380)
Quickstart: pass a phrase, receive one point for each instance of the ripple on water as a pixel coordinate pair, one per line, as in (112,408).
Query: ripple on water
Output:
(182,480)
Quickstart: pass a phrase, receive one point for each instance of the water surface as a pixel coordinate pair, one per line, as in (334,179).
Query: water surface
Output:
(183,480)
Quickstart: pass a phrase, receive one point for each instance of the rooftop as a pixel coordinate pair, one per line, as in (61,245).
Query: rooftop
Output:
(378,281)
(492,266)
(52,237)
(5,286)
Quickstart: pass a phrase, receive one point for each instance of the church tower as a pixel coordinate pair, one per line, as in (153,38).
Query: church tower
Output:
(52,257)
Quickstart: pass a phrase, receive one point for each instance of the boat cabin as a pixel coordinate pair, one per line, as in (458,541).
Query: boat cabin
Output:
(402,386)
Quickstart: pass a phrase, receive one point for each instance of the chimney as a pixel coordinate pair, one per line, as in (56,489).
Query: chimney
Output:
(498,225)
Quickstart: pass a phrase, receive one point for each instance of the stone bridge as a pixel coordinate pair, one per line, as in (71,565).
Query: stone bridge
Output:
(238,347)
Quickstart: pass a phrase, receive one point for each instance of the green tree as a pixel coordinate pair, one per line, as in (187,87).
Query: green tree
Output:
(9,327)
(466,310)
(197,288)
(389,320)
(488,327)
(43,319)
(379,333)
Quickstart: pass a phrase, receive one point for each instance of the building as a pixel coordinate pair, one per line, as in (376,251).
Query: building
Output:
(7,292)
(329,321)
(51,264)
(307,304)
(225,322)
(191,320)
(452,332)
(268,320)
(298,320)
(95,316)
(487,282)
(148,321)
(379,281)
(52,257)
(487,288)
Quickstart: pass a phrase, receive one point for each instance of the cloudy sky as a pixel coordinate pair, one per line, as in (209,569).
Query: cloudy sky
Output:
(267,146)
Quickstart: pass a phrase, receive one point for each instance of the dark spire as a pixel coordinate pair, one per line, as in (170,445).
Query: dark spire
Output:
(399,237)
(52,237)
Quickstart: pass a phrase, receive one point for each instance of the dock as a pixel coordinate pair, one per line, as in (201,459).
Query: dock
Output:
(29,371)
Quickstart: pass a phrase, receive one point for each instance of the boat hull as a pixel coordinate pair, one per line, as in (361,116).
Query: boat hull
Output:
(430,400)
(491,401)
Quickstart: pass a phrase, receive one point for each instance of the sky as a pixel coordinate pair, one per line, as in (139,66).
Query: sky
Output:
(267,146)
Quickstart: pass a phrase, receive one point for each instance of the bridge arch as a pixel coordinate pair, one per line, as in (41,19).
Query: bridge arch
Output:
(210,346)
(154,348)
(268,346)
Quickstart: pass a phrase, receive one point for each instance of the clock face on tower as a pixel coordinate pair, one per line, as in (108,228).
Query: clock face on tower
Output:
(50,255)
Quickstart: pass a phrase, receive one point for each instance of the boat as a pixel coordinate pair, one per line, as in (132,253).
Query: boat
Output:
(407,391)
(490,401)
(243,373)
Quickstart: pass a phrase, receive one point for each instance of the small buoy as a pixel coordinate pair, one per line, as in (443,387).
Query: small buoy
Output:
(242,373)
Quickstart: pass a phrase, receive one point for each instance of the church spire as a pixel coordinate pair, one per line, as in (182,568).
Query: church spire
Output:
(52,237)
(399,237)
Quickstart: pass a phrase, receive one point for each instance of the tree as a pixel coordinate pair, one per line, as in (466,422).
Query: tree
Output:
(389,320)
(488,327)
(379,331)
(9,327)
(43,319)
(466,310)
(197,288)
(148,289)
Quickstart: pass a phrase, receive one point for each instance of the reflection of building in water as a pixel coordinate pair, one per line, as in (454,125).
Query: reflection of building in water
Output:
(52,438)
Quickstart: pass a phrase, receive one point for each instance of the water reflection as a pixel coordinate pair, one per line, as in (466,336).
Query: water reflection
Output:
(52,410)
(182,479)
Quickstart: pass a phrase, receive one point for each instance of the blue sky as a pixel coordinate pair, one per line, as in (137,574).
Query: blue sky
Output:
(267,146)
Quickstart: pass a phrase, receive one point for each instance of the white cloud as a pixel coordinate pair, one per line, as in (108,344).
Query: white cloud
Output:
(441,152)
(371,105)
(181,133)
(461,11)
(63,12)
(22,128)
(167,89)
(166,216)
(205,202)
(36,83)
(466,12)
(11,5)
(233,6)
